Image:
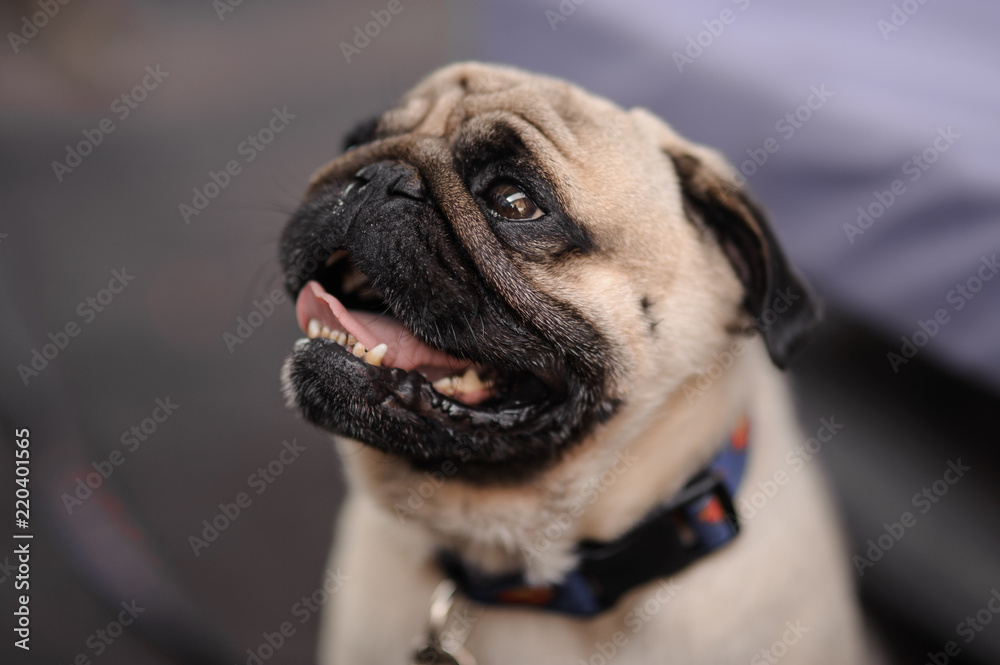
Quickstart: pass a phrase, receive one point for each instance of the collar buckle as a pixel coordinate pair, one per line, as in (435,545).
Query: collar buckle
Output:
(709,517)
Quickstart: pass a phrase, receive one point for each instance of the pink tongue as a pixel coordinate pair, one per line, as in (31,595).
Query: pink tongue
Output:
(405,351)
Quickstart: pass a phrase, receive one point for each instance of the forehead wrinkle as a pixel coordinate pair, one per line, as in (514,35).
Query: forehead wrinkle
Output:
(529,105)
(545,154)
(439,119)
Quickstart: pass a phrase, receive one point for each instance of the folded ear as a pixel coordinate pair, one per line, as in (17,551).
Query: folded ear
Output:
(782,307)
(361,133)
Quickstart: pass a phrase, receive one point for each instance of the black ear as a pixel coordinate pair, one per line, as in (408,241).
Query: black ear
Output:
(363,132)
(782,307)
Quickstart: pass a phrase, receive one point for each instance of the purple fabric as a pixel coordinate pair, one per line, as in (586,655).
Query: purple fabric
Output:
(894,92)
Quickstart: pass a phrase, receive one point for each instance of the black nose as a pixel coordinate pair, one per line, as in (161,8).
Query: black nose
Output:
(398,178)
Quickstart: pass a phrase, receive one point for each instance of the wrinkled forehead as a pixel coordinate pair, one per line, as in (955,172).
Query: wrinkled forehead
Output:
(603,163)
(474,99)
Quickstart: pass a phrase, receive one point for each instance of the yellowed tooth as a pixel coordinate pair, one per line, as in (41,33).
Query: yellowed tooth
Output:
(469,382)
(351,340)
(340,337)
(445,386)
(325,332)
(359,350)
(374,357)
(312,330)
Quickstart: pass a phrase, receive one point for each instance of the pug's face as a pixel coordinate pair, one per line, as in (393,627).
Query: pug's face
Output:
(500,263)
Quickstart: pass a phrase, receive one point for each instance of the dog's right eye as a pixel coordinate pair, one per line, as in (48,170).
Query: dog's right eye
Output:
(510,202)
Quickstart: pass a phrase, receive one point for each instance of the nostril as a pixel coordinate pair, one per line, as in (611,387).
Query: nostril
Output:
(409,184)
(399,178)
(368,173)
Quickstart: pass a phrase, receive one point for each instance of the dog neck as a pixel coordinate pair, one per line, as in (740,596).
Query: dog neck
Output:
(697,521)
(606,485)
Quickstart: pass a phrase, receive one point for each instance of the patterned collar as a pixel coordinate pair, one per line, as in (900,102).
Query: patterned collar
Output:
(697,521)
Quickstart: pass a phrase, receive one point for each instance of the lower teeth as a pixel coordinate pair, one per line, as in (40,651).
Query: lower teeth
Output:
(461,385)
(470,382)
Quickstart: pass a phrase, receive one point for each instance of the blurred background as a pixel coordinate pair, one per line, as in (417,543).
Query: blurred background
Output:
(142,337)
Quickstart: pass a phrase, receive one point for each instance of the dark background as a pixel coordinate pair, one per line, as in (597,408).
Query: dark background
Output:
(163,335)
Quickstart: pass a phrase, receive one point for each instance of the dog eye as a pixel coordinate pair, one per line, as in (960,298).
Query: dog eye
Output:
(510,202)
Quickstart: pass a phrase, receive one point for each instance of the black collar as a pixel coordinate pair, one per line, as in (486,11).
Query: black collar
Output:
(698,520)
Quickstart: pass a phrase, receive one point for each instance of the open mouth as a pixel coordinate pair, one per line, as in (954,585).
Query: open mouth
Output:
(339,307)
(378,338)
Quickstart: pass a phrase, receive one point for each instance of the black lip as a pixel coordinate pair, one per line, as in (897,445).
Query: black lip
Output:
(506,442)
(307,242)
(324,365)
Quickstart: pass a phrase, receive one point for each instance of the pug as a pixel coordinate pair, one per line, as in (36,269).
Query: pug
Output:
(547,334)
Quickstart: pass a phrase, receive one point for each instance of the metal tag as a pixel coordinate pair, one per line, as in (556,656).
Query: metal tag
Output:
(432,652)
(434,655)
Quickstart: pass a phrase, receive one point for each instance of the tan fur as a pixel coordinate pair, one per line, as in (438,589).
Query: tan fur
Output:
(614,177)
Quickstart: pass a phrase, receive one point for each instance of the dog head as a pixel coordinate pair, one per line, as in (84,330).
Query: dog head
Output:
(532,258)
